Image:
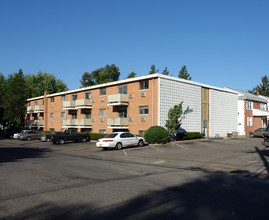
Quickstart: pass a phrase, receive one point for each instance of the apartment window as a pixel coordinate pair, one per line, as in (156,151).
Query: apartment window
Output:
(74,115)
(52,129)
(51,115)
(87,115)
(102,131)
(249,105)
(141,133)
(42,102)
(88,95)
(103,91)
(144,85)
(143,110)
(52,99)
(122,113)
(35,103)
(63,98)
(74,97)
(102,112)
(62,114)
(123,89)
(249,121)
(263,106)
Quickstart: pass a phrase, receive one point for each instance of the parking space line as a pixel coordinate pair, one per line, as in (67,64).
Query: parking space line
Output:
(125,153)
(156,148)
(182,146)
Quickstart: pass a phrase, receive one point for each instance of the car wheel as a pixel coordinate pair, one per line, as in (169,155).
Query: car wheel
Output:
(140,143)
(252,135)
(61,141)
(28,138)
(83,139)
(118,146)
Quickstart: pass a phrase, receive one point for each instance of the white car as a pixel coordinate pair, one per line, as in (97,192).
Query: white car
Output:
(17,135)
(119,140)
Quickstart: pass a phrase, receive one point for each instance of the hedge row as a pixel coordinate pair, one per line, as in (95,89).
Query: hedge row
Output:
(190,136)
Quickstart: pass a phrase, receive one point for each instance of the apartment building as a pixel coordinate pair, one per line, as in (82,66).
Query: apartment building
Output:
(134,105)
(252,112)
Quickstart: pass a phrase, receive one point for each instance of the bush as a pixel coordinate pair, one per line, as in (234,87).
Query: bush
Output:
(96,136)
(190,136)
(156,135)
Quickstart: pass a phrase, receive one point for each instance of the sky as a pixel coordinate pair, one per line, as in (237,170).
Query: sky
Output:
(223,43)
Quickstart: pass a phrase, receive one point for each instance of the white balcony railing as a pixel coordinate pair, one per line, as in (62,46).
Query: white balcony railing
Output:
(77,122)
(117,121)
(35,123)
(69,104)
(118,99)
(83,103)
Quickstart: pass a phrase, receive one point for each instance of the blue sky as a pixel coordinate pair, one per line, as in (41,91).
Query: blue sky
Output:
(223,43)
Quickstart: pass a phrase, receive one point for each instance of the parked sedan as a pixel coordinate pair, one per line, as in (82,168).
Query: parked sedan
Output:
(17,135)
(257,133)
(30,135)
(118,140)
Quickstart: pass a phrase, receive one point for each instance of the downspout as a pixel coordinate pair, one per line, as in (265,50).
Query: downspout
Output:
(152,102)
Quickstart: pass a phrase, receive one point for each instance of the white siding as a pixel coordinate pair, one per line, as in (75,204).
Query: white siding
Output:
(222,113)
(241,117)
(173,92)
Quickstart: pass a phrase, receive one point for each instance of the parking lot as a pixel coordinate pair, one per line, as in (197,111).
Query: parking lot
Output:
(40,180)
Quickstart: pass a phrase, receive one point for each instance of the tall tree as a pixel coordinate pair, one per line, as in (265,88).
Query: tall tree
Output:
(183,73)
(109,73)
(175,116)
(131,75)
(262,88)
(165,71)
(41,82)
(2,96)
(153,69)
(14,99)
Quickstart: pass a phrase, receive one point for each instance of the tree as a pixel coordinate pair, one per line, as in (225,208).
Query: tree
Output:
(262,88)
(165,71)
(183,73)
(106,74)
(131,75)
(2,94)
(14,99)
(175,116)
(153,69)
(41,82)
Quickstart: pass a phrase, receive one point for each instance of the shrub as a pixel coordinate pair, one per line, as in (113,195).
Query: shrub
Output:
(96,136)
(156,135)
(190,136)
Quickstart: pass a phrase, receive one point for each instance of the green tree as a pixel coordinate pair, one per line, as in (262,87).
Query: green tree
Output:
(14,99)
(106,74)
(262,88)
(175,116)
(41,82)
(165,71)
(183,73)
(2,96)
(153,69)
(131,75)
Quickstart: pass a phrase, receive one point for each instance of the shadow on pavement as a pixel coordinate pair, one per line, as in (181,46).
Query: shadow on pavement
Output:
(12,154)
(216,196)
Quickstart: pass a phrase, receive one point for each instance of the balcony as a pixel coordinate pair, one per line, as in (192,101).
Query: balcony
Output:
(70,122)
(84,122)
(83,103)
(35,109)
(69,105)
(117,99)
(118,122)
(35,123)
(77,123)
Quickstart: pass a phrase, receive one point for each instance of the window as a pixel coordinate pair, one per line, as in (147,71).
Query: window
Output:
(88,95)
(52,99)
(143,110)
(249,105)
(51,115)
(122,113)
(123,135)
(249,121)
(52,129)
(63,98)
(74,115)
(35,103)
(62,114)
(103,91)
(263,106)
(102,112)
(129,135)
(123,89)
(141,133)
(74,97)
(42,102)
(102,131)
(144,85)
(87,115)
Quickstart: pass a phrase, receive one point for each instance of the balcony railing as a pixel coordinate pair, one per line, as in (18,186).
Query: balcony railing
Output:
(35,123)
(69,122)
(117,122)
(69,104)
(118,99)
(77,122)
(79,103)
(36,108)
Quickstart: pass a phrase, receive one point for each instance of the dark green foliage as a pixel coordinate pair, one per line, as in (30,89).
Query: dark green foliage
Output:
(41,82)
(2,94)
(165,71)
(262,88)
(14,99)
(183,73)
(131,75)
(96,136)
(190,136)
(156,135)
(109,73)
(153,69)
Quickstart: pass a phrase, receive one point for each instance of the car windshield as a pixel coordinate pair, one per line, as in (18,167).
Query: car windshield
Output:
(111,135)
